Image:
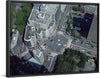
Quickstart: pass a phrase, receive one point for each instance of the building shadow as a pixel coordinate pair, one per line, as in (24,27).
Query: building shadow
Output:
(82,25)
(24,67)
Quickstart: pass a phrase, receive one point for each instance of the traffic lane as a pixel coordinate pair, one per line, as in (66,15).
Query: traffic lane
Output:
(53,64)
(65,18)
(85,50)
(83,45)
(50,63)
(69,8)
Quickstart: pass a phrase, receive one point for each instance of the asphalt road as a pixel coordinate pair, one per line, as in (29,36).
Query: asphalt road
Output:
(65,18)
(57,43)
(51,62)
(84,48)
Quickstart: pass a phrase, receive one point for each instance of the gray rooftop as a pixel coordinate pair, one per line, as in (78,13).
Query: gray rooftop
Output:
(14,38)
(52,8)
(34,16)
(28,32)
(40,29)
(34,61)
(16,43)
(51,23)
(27,56)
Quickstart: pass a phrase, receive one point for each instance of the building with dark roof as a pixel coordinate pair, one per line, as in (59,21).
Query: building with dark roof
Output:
(82,25)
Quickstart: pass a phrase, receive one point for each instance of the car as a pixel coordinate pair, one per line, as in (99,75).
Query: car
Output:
(51,40)
(88,52)
(44,44)
(83,50)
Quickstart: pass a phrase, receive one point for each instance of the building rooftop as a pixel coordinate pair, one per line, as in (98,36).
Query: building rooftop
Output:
(39,17)
(43,5)
(91,8)
(40,29)
(38,53)
(16,43)
(83,23)
(28,32)
(35,16)
(34,61)
(51,8)
(26,56)
(51,23)
(14,38)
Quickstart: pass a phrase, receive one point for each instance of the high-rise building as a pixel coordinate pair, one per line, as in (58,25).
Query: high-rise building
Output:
(41,23)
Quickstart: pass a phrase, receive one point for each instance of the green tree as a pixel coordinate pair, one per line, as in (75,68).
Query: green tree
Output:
(20,28)
(26,8)
(83,57)
(11,17)
(68,29)
(20,17)
(61,57)
(72,33)
(71,21)
(76,8)
(81,64)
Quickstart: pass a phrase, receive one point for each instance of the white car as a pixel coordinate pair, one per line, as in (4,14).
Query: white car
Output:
(83,50)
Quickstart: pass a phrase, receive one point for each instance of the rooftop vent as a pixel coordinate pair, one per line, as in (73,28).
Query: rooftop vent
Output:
(41,15)
(43,8)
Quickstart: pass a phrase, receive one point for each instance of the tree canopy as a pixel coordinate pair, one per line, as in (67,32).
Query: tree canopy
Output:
(22,17)
(11,17)
(66,62)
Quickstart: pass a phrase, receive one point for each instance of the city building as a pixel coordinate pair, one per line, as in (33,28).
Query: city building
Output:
(83,25)
(35,64)
(90,8)
(17,46)
(92,35)
(30,36)
(38,55)
(42,23)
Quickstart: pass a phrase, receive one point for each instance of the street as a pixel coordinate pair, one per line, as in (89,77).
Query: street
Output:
(57,43)
(84,48)
(51,62)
